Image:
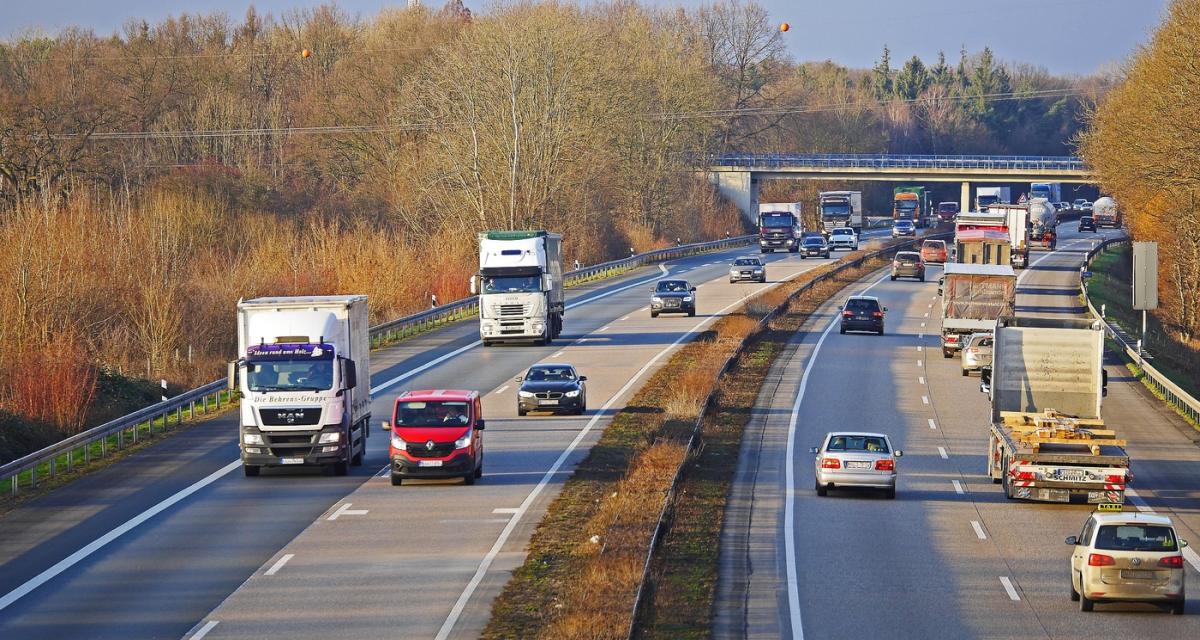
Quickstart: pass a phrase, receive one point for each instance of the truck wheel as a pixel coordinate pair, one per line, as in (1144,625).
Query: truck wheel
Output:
(1177,607)
(357,460)
(340,468)
(946,353)
(397,480)
(251,470)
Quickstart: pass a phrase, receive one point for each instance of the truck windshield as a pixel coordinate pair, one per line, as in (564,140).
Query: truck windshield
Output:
(986,200)
(835,210)
(906,205)
(433,413)
(776,220)
(511,284)
(289,375)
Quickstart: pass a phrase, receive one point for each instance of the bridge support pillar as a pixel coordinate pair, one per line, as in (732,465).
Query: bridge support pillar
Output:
(741,187)
(965,198)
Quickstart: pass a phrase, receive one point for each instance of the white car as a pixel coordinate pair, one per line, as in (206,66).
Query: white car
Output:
(1134,557)
(843,238)
(854,459)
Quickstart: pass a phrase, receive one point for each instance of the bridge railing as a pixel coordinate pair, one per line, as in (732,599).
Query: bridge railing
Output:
(79,449)
(892,161)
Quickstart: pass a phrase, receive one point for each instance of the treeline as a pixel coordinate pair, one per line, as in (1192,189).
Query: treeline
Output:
(150,178)
(1142,143)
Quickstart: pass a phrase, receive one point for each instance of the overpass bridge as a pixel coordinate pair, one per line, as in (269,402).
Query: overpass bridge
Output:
(738,175)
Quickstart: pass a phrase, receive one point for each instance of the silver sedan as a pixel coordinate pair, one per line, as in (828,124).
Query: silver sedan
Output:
(851,459)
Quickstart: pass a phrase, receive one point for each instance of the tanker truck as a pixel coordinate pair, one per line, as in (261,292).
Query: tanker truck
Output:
(1105,213)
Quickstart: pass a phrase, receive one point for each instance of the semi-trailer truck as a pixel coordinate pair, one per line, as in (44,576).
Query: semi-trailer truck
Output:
(780,226)
(911,203)
(987,196)
(520,286)
(1106,213)
(974,296)
(1051,191)
(841,209)
(1047,441)
(303,370)
(1043,223)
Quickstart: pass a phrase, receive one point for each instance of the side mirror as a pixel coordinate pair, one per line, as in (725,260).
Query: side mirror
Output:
(583,378)
(386,426)
(351,373)
(518,378)
(231,375)
(985,387)
(480,424)
(691,288)
(1072,540)
(547,282)
(898,453)
(474,285)
(885,308)
(1182,543)
(814,450)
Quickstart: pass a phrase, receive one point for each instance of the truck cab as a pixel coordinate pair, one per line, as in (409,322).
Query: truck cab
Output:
(780,226)
(520,287)
(436,433)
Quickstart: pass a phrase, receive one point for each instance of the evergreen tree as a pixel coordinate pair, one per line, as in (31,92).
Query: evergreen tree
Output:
(941,73)
(912,80)
(881,76)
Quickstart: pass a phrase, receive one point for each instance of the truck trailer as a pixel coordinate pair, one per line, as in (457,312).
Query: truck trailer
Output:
(520,287)
(780,226)
(1018,227)
(974,296)
(841,209)
(1047,441)
(983,238)
(303,369)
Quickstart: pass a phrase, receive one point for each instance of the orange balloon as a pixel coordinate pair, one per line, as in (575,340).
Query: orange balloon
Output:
(306,53)
(785,26)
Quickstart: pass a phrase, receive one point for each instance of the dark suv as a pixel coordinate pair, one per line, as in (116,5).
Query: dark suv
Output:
(814,246)
(862,313)
(1087,223)
(673,296)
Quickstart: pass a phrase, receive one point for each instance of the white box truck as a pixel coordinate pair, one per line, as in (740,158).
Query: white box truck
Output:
(303,369)
(987,196)
(841,209)
(520,286)
(1019,229)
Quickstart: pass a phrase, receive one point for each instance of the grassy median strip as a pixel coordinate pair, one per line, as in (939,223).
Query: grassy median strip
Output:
(586,558)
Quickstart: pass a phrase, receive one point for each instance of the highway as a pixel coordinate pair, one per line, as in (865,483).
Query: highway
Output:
(950,557)
(173,541)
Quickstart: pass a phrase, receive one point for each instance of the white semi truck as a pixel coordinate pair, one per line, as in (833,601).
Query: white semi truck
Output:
(520,286)
(303,370)
(841,209)
(1051,191)
(1047,441)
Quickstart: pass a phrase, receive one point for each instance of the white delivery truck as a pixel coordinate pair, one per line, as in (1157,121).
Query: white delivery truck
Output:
(974,296)
(841,209)
(987,196)
(520,286)
(1047,441)
(304,372)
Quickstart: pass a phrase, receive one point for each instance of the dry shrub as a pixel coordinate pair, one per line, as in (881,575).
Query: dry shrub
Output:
(52,383)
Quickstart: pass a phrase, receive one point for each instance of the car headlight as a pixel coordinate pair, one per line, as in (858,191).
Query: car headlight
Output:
(252,438)
(463,442)
(572,394)
(330,437)
(758,271)
(525,394)
(688,298)
(656,299)
(398,443)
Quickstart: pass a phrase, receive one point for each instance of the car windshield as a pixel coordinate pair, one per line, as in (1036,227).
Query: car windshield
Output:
(290,375)
(1085,219)
(746,262)
(1081,201)
(904,224)
(842,232)
(936,245)
(1136,537)
(981,341)
(870,444)
(511,284)
(859,304)
(673,286)
(814,240)
(432,413)
(907,256)
(550,374)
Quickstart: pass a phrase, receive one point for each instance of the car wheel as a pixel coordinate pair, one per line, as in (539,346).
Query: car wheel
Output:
(946,353)
(521,412)
(692,313)
(966,373)
(922,277)
(251,470)
(842,330)
(880,332)
(822,490)
(1074,593)
(1177,607)
(469,478)
(731,281)
(479,470)
(1085,603)
(802,256)
(891,493)
(397,480)
(893,277)
(487,343)
(653,314)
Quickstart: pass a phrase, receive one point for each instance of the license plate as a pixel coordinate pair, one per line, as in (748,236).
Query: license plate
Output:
(291,461)
(430,463)
(858,465)
(1070,476)
(1131,574)
(547,401)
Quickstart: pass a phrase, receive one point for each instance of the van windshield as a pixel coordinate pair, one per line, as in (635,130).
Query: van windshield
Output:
(432,413)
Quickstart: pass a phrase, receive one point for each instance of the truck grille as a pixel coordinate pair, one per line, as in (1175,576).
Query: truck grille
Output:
(290,446)
(290,417)
(511,310)
(439,450)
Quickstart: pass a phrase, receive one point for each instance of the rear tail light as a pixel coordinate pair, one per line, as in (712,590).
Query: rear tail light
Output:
(831,463)
(952,338)
(885,465)
(1171,562)
(895,263)
(877,314)
(972,350)
(1025,475)
(1112,478)
(1101,560)
(847,314)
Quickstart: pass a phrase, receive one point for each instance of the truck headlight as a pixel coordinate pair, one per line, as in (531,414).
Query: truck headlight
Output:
(330,437)
(463,442)
(572,394)
(252,438)
(398,443)
(789,241)
(688,298)
(525,394)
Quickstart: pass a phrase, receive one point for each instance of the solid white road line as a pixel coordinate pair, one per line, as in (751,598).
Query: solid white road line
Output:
(924,399)
(789,510)
(943,454)
(1189,554)
(208,626)
(98,543)
(508,510)
(279,564)
(932,424)
(978,530)
(345,510)
(1008,586)
(958,488)
(500,390)
(557,354)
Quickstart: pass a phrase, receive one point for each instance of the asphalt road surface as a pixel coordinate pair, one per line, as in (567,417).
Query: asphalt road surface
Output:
(950,557)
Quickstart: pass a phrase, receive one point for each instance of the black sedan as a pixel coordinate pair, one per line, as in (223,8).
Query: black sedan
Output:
(1087,223)
(672,296)
(814,246)
(552,387)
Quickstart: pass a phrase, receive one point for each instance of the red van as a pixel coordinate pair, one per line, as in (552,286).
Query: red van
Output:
(436,434)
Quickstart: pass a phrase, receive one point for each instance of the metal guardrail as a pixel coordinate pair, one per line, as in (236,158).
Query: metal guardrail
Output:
(1171,392)
(80,448)
(893,161)
(669,499)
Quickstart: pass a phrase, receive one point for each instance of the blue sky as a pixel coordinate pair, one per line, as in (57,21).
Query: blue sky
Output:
(1064,36)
